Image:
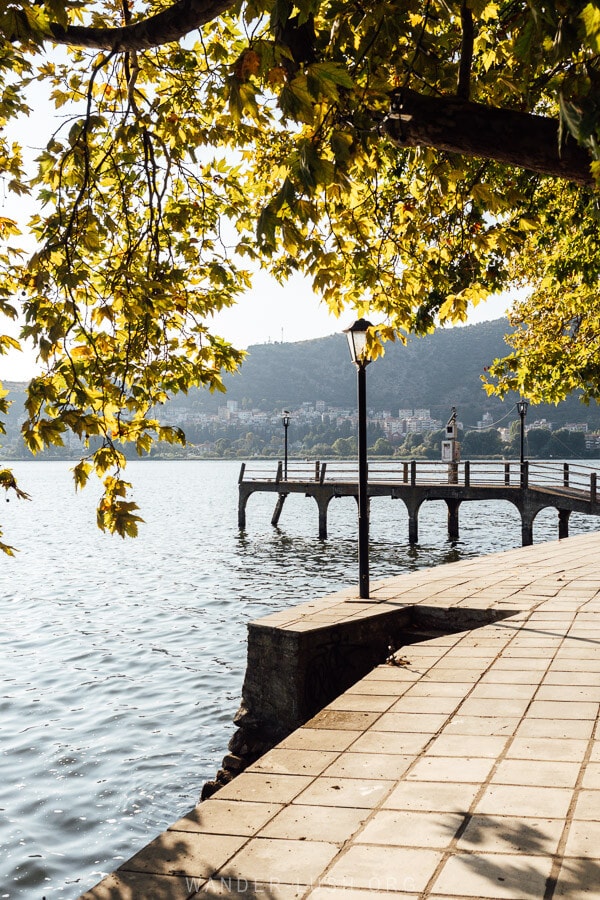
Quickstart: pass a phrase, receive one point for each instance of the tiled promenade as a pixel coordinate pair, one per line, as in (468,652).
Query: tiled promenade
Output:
(469,770)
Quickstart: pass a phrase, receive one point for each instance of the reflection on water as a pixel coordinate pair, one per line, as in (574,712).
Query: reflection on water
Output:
(122,662)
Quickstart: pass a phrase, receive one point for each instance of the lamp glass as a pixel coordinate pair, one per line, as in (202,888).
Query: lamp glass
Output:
(357,341)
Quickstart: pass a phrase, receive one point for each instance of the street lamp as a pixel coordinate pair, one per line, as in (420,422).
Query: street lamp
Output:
(357,342)
(286,421)
(522,407)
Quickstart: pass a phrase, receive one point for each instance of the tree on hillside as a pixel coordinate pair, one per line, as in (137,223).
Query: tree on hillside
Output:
(410,158)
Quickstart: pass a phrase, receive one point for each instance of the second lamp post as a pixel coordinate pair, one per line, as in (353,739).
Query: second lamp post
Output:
(522,406)
(285,419)
(357,341)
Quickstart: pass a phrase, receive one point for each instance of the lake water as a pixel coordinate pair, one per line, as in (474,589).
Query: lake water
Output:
(122,661)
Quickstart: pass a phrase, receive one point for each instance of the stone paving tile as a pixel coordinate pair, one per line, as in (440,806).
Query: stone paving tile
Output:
(331,824)
(536,772)
(342,719)
(364,765)
(495,876)
(383,868)
(439,689)
(411,828)
(508,834)
(524,800)
(583,839)
(580,692)
(588,806)
(418,722)
(216,816)
(482,725)
(266,788)
(578,880)
(184,853)
(496,707)
(439,705)
(503,691)
(555,709)
(136,885)
(363,702)
(432,796)
(392,689)
(510,676)
(555,728)
(402,743)
(393,673)
(354,792)
(591,777)
(459,745)
(319,739)
(280,860)
(451,768)
(571,750)
(294,762)
(571,679)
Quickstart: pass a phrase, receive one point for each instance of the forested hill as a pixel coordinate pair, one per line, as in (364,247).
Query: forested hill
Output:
(441,368)
(437,372)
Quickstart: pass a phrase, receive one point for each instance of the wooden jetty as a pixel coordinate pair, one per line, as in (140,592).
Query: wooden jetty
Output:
(530,486)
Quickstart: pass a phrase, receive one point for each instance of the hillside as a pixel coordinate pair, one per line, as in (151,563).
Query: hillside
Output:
(437,372)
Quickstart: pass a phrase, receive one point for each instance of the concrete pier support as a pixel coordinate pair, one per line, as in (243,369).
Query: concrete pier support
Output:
(453,529)
(278,509)
(242,500)
(413,526)
(323,505)
(563,522)
(526,530)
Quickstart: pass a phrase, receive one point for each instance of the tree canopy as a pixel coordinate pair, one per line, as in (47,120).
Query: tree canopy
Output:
(410,158)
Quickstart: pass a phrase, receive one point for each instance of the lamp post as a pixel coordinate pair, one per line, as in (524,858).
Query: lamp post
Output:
(357,342)
(522,407)
(286,422)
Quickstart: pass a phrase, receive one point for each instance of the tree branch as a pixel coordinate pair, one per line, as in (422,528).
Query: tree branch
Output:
(171,24)
(507,136)
(463,88)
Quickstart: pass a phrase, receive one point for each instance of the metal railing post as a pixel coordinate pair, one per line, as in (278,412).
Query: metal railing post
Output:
(467,473)
(593,479)
(565,474)
(279,475)
(506,474)
(413,472)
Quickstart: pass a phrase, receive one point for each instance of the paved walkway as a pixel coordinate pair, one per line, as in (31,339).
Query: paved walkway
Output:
(470,769)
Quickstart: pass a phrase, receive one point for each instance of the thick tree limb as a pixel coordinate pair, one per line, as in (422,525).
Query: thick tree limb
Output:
(171,24)
(507,136)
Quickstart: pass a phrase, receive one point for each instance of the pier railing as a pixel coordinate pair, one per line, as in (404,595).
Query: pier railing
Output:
(563,477)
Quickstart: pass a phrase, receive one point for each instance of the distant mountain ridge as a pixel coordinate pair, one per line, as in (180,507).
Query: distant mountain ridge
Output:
(436,372)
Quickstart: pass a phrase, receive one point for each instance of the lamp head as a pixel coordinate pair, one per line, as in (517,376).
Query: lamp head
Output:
(357,341)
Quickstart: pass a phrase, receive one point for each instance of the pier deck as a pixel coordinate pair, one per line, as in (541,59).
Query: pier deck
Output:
(469,767)
(530,487)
